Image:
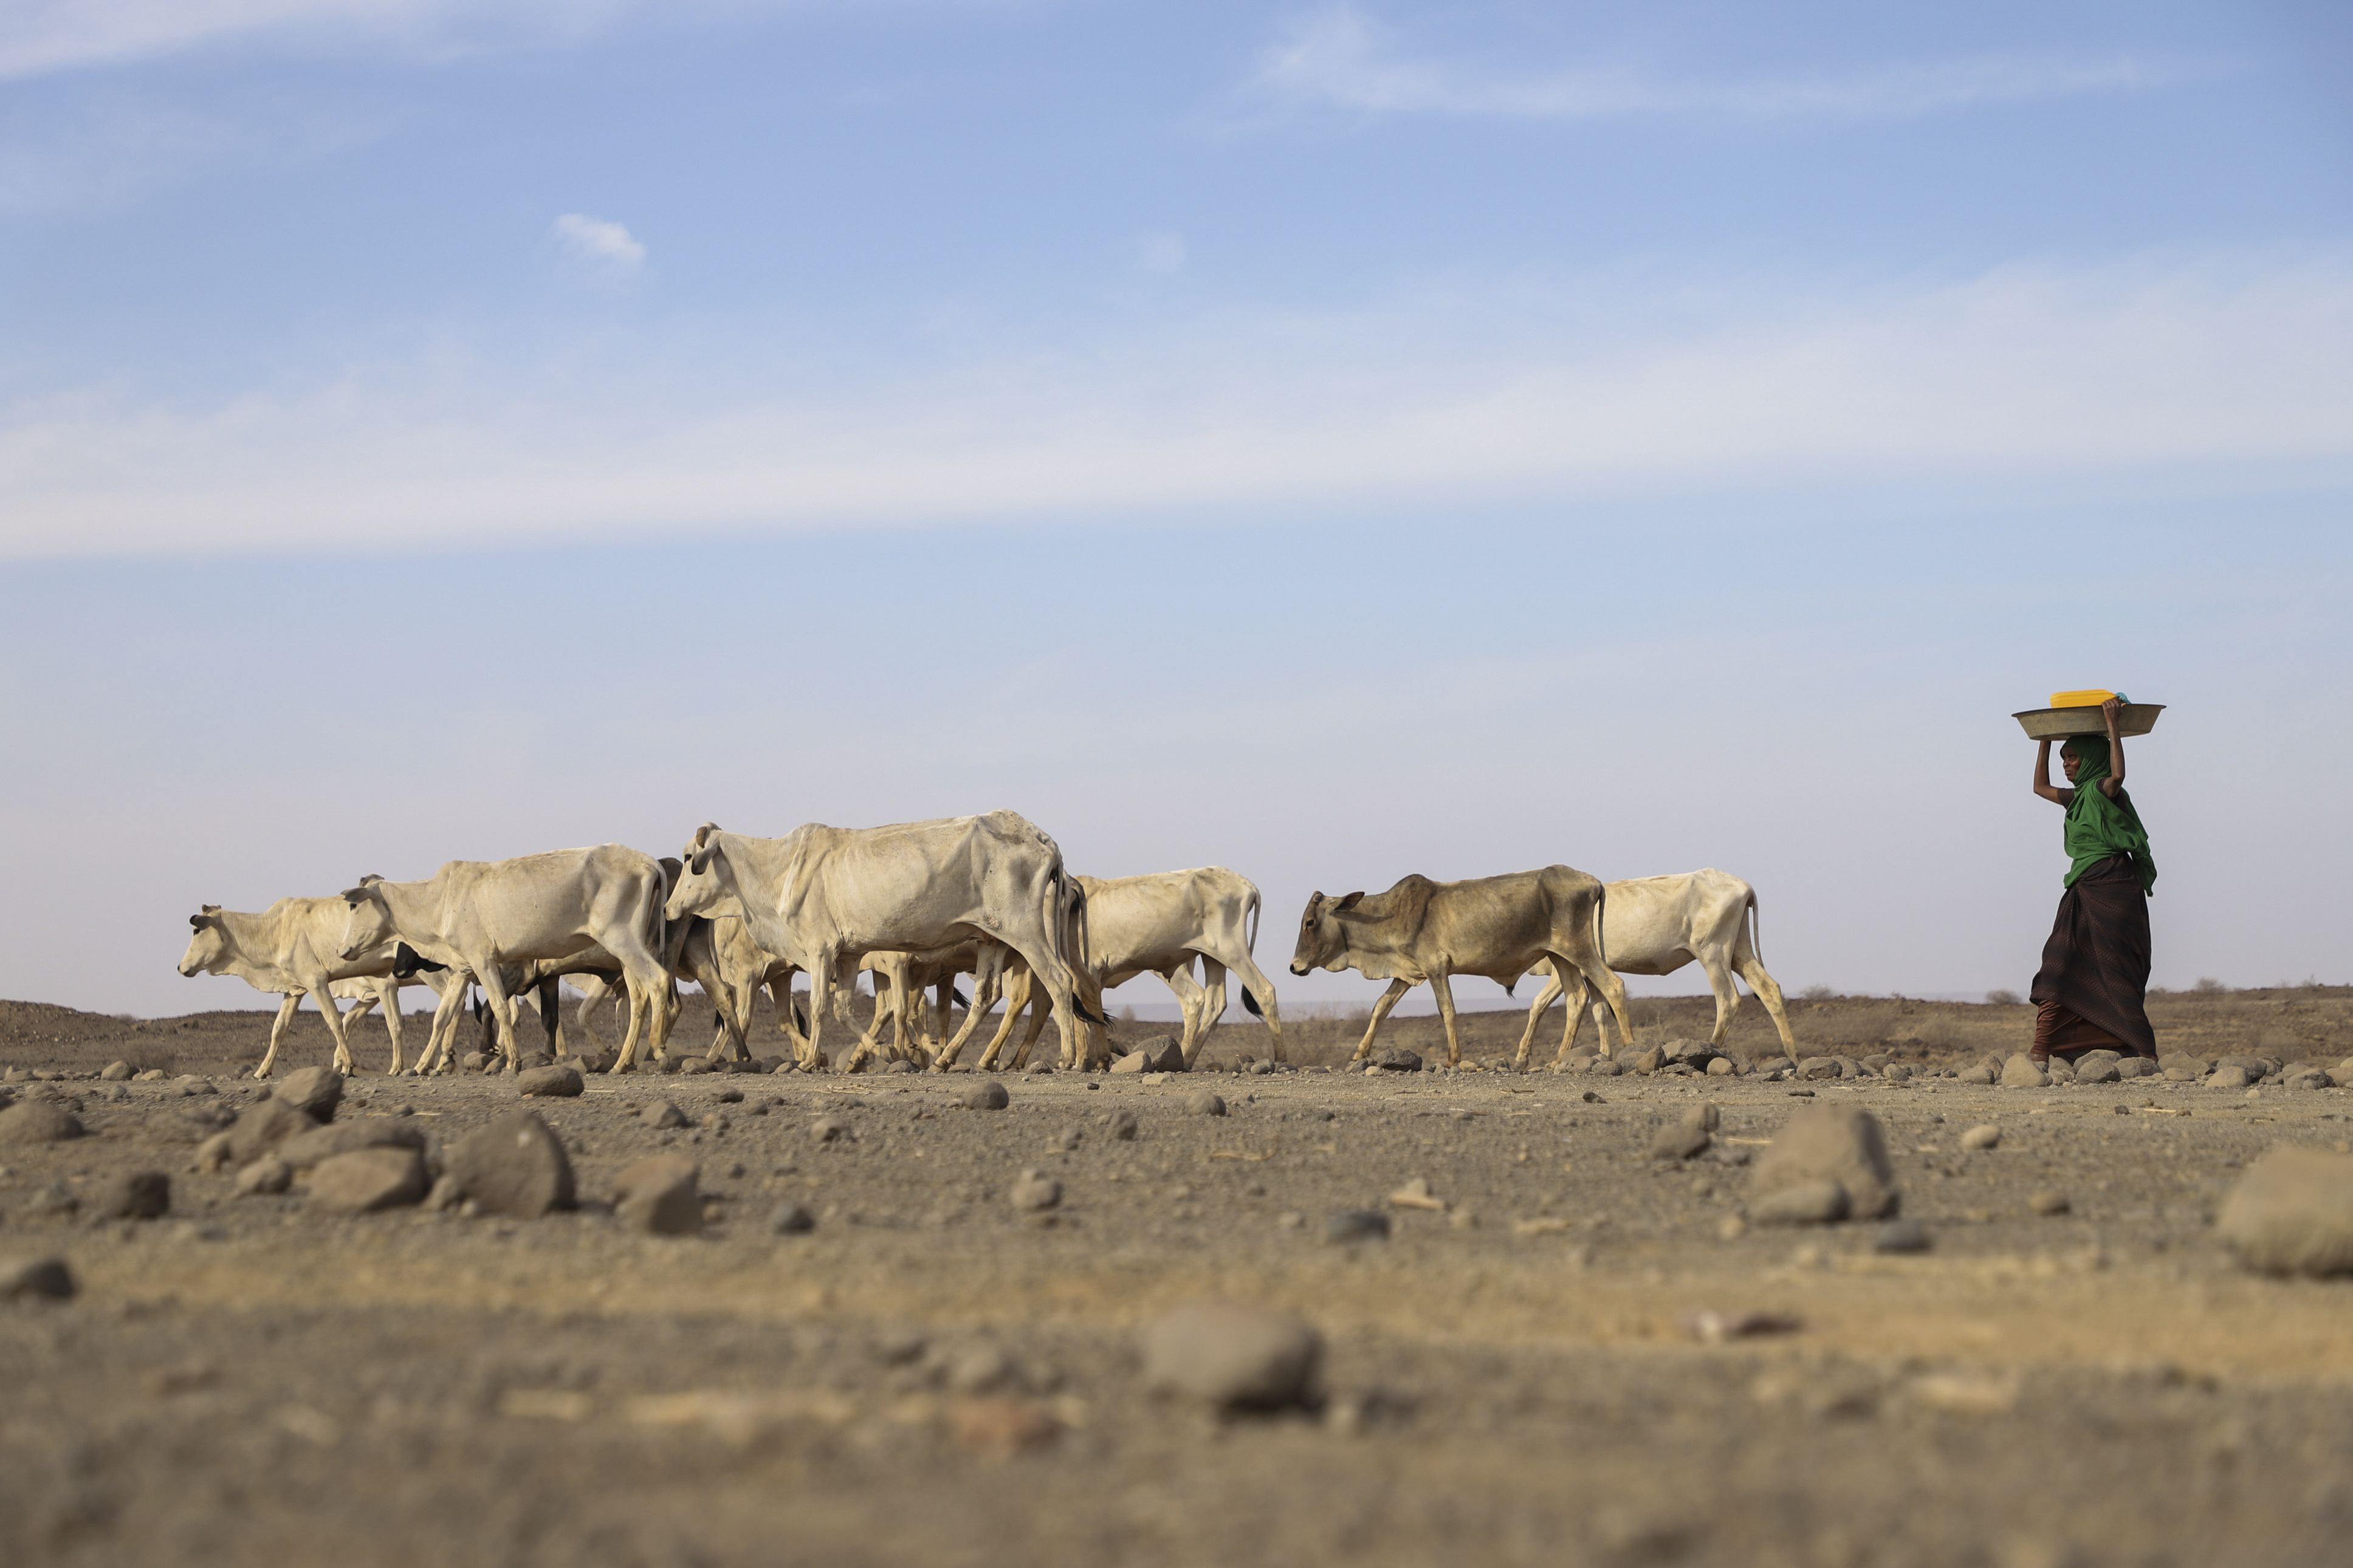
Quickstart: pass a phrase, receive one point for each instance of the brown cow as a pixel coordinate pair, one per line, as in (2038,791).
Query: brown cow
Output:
(1500,927)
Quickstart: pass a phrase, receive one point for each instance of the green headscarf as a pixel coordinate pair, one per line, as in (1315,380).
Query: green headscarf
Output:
(2097,827)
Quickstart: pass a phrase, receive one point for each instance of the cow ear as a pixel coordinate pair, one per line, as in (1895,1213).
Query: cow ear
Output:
(1344,905)
(353,896)
(212,908)
(195,922)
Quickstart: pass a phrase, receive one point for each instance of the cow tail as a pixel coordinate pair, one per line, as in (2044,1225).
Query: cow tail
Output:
(1600,906)
(1756,945)
(1249,929)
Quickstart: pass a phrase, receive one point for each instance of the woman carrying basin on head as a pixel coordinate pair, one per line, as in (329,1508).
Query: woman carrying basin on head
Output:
(2094,974)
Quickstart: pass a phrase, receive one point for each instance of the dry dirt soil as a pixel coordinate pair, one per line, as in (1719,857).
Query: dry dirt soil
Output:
(931,1376)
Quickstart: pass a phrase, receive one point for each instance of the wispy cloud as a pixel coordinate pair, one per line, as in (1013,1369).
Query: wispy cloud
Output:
(1340,58)
(599,241)
(2096,379)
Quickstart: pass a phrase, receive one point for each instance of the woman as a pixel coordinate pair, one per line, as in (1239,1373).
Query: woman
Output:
(2095,965)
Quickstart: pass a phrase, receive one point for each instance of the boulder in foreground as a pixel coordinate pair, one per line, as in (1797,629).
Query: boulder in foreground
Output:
(37,1121)
(1838,1144)
(657,1195)
(1232,1356)
(315,1089)
(513,1166)
(366,1180)
(2292,1212)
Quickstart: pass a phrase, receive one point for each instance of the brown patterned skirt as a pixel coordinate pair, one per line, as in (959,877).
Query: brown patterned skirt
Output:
(2095,974)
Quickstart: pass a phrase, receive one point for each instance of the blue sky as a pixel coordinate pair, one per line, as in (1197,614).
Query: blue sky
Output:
(1332,441)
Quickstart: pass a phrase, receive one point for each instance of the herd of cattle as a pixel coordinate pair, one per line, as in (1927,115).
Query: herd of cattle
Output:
(919,905)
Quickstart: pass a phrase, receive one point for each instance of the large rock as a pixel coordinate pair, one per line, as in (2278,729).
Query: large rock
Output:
(1819,1068)
(2020,1072)
(305,1149)
(1841,1143)
(261,1128)
(2230,1075)
(367,1180)
(513,1166)
(2292,1212)
(2098,1071)
(45,1278)
(1397,1058)
(315,1089)
(1231,1356)
(986,1095)
(657,1195)
(134,1195)
(554,1081)
(37,1121)
(1162,1055)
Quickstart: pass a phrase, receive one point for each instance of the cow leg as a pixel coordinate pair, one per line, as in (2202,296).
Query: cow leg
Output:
(1545,998)
(1255,985)
(1380,1011)
(1019,993)
(1444,992)
(285,1005)
(1213,1008)
(503,1008)
(1768,990)
(548,1023)
(986,981)
(1190,998)
(1727,999)
(393,1024)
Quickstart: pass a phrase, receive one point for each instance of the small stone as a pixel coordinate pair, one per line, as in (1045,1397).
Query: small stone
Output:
(1801,1203)
(2292,1212)
(661,1115)
(986,1095)
(1069,1139)
(2230,1075)
(45,1278)
(1204,1104)
(1977,1075)
(56,1198)
(1230,1356)
(553,1082)
(367,1180)
(1707,1117)
(1817,1068)
(2047,1202)
(317,1090)
(513,1166)
(1122,1126)
(1647,1062)
(692,1066)
(2020,1072)
(115,1072)
(1679,1142)
(831,1129)
(657,1196)
(1731,1227)
(305,1149)
(1606,1066)
(2097,1072)
(1986,1136)
(261,1128)
(1841,1145)
(37,1121)
(267,1174)
(1034,1193)
(1902,1236)
(980,1369)
(1397,1058)
(2181,1068)
(793,1219)
(1896,1073)
(1721,1066)
(1358,1224)
(134,1195)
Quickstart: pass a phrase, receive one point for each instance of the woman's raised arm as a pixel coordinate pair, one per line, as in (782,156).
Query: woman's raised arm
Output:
(2043,776)
(2116,779)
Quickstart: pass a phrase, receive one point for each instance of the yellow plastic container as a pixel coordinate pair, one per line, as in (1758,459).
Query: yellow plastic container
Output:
(2079,698)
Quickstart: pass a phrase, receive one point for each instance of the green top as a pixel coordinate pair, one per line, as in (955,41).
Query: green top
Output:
(2097,827)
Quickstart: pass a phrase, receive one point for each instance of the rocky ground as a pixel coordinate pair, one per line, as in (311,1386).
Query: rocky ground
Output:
(882,1340)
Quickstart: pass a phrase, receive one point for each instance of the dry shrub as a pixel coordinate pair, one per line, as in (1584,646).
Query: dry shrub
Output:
(1941,1032)
(144,1056)
(2003,998)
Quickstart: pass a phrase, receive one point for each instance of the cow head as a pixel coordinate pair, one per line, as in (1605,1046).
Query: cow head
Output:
(208,948)
(1323,936)
(370,924)
(699,888)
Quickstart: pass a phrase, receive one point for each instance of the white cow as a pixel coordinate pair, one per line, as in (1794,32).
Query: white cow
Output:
(1158,923)
(482,915)
(295,948)
(820,898)
(1655,925)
